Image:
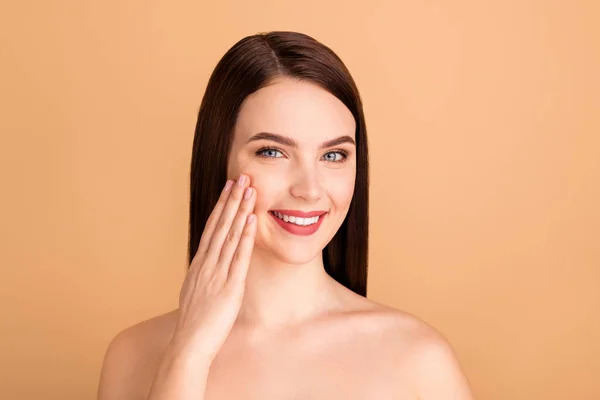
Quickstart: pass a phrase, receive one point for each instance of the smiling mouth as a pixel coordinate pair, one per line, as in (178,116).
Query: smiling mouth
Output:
(298,226)
(300,221)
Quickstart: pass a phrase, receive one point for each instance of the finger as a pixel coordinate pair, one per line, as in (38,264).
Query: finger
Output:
(225,221)
(241,259)
(213,218)
(233,237)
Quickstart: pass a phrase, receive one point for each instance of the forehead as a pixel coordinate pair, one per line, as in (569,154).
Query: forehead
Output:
(301,110)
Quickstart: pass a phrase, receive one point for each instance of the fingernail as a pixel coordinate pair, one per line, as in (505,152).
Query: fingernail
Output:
(250,218)
(247,193)
(241,180)
(228,185)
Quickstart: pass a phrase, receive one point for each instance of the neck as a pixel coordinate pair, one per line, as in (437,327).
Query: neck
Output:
(278,294)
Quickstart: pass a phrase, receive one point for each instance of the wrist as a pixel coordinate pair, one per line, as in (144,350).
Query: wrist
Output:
(184,356)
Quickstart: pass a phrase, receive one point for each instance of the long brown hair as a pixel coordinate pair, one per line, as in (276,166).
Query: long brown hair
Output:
(251,64)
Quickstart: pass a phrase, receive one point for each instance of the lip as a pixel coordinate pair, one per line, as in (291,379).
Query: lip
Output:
(297,229)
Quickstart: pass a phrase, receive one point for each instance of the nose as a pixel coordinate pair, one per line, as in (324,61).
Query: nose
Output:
(307,184)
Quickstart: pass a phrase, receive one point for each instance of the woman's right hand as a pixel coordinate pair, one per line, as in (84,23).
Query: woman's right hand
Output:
(212,292)
(210,297)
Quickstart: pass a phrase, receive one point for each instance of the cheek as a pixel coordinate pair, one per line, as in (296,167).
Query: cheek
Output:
(266,188)
(342,193)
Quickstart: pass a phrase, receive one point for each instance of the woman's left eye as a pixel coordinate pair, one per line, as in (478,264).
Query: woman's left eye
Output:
(334,153)
(344,156)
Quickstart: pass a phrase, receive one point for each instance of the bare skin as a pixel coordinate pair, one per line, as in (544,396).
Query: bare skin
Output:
(259,318)
(365,351)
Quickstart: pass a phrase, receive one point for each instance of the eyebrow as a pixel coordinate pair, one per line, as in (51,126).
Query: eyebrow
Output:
(286,141)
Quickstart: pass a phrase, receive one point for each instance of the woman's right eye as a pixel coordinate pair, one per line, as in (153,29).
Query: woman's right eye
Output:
(268,152)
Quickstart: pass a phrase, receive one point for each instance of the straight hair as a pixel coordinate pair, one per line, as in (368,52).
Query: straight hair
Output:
(255,62)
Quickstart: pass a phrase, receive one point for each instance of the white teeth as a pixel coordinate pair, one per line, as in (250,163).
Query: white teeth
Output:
(297,220)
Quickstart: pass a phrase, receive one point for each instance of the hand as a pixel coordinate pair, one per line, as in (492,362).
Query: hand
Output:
(212,292)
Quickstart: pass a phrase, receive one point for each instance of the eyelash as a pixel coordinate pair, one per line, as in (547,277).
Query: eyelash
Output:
(342,152)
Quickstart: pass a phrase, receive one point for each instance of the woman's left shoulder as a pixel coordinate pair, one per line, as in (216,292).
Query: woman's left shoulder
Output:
(393,322)
(423,349)
(405,331)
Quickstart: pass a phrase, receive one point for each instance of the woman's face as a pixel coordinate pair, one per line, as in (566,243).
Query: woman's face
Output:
(304,178)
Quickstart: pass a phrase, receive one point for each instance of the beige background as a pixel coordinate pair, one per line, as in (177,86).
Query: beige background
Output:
(485,140)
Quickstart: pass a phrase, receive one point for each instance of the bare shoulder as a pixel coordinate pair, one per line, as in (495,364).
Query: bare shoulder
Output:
(132,357)
(425,353)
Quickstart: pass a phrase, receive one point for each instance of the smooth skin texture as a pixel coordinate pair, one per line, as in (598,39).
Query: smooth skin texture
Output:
(297,334)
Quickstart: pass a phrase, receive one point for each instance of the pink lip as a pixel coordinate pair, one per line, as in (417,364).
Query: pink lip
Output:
(297,229)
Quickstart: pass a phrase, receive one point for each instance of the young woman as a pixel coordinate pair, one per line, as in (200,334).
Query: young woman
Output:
(274,303)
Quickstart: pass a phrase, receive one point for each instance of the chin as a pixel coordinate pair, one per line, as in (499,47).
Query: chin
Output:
(289,253)
(298,256)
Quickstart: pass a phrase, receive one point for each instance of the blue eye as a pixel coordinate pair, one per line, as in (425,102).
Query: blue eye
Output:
(264,150)
(334,156)
(268,149)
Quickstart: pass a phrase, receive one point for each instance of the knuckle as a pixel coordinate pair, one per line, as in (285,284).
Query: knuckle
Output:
(246,206)
(232,236)
(238,256)
(221,223)
(210,221)
(236,195)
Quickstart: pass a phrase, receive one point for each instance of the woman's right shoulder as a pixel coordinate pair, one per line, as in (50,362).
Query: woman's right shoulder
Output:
(132,357)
